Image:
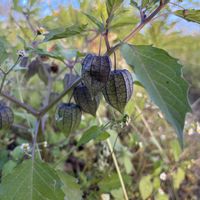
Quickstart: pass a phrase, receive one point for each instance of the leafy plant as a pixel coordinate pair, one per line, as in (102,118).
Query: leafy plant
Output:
(45,59)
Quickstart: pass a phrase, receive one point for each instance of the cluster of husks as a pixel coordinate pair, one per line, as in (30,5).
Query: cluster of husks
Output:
(116,86)
(96,72)
(6,116)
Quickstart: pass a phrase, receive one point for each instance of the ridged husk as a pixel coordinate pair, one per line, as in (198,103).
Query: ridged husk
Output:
(119,89)
(6,117)
(68,117)
(95,72)
(84,99)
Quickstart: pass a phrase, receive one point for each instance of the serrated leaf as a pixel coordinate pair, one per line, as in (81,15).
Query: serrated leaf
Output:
(66,32)
(113,5)
(70,187)
(90,134)
(31,180)
(95,21)
(145,187)
(161,76)
(191,15)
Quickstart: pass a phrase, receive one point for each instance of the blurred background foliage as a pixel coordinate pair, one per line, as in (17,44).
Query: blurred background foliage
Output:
(150,158)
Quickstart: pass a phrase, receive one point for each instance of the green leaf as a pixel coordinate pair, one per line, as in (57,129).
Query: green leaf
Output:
(93,132)
(176,150)
(122,22)
(102,136)
(66,32)
(3,53)
(145,3)
(145,187)
(134,4)
(161,196)
(112,6)
(109,183)
(191,15)
(17,154)
(70,186)
(95,21)
(178,178)
(161,76)
(31,180)
(8,167)
(43,52)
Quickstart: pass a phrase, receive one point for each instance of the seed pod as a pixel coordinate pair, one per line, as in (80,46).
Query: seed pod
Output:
(95,72)
(84,99)
(6,117)
(68,117)
(119,89)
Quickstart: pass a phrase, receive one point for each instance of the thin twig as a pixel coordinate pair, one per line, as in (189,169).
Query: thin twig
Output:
(117,169)
(26,107)
(6,73)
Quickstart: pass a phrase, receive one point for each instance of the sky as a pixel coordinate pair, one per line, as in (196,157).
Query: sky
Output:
(184,26)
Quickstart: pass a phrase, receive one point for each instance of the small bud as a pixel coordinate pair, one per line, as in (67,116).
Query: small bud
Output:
(25,147)
(163,176)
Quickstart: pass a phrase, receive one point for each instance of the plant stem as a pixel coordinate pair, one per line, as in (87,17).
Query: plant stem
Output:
(117,169)
(49,106)
(137,29)
(26,107)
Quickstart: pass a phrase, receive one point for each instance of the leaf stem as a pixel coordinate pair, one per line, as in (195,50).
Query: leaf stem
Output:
(36,131)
